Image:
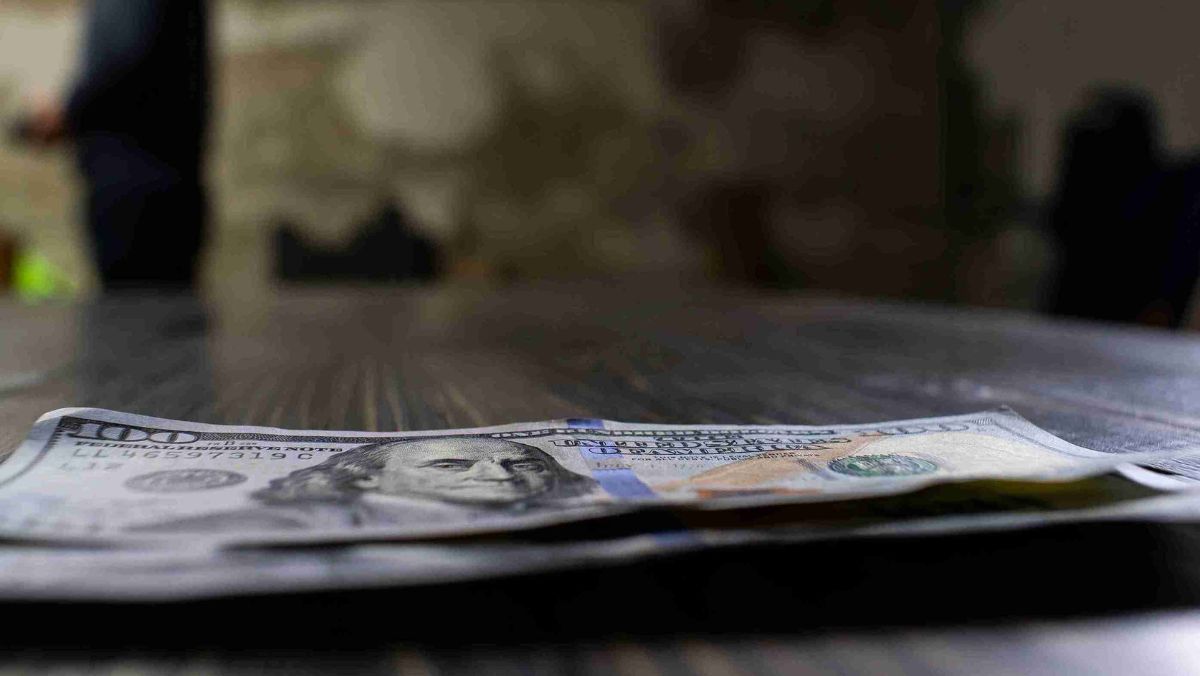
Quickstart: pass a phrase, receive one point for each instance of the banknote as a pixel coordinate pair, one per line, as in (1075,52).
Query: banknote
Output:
(91,474)
(183,573)
(190,572)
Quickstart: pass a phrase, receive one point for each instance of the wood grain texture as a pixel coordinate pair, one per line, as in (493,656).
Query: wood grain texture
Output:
(1112,598)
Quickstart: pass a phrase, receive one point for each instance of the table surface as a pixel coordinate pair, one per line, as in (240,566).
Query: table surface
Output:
(1102,598)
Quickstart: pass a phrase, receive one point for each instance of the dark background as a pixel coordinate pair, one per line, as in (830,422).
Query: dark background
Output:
(1011,153)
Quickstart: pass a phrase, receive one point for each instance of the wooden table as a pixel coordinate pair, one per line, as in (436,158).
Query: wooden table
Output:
(1101,598)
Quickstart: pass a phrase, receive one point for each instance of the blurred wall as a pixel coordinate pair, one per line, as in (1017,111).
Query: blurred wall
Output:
(815,142)
(511,132)
(1037,58)
(457,110)
(37,190)
(549,138)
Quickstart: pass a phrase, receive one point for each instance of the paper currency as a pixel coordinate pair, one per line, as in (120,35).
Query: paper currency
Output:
(90,474)
(190,572)
(175,574)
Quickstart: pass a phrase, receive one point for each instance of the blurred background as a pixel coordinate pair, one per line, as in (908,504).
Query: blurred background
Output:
(1019,153)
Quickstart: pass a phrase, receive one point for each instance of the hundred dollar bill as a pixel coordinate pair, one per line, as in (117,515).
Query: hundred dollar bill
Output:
(173,574)
(189,572)
(91,474)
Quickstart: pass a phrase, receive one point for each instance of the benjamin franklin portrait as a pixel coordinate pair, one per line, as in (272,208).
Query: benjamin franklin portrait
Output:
(403,482)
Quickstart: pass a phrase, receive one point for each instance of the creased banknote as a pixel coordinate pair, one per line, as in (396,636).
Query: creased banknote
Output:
(138,574)
(190,572)
(90,474)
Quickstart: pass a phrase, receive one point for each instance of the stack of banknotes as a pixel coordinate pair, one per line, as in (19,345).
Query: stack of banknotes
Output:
(101,505)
